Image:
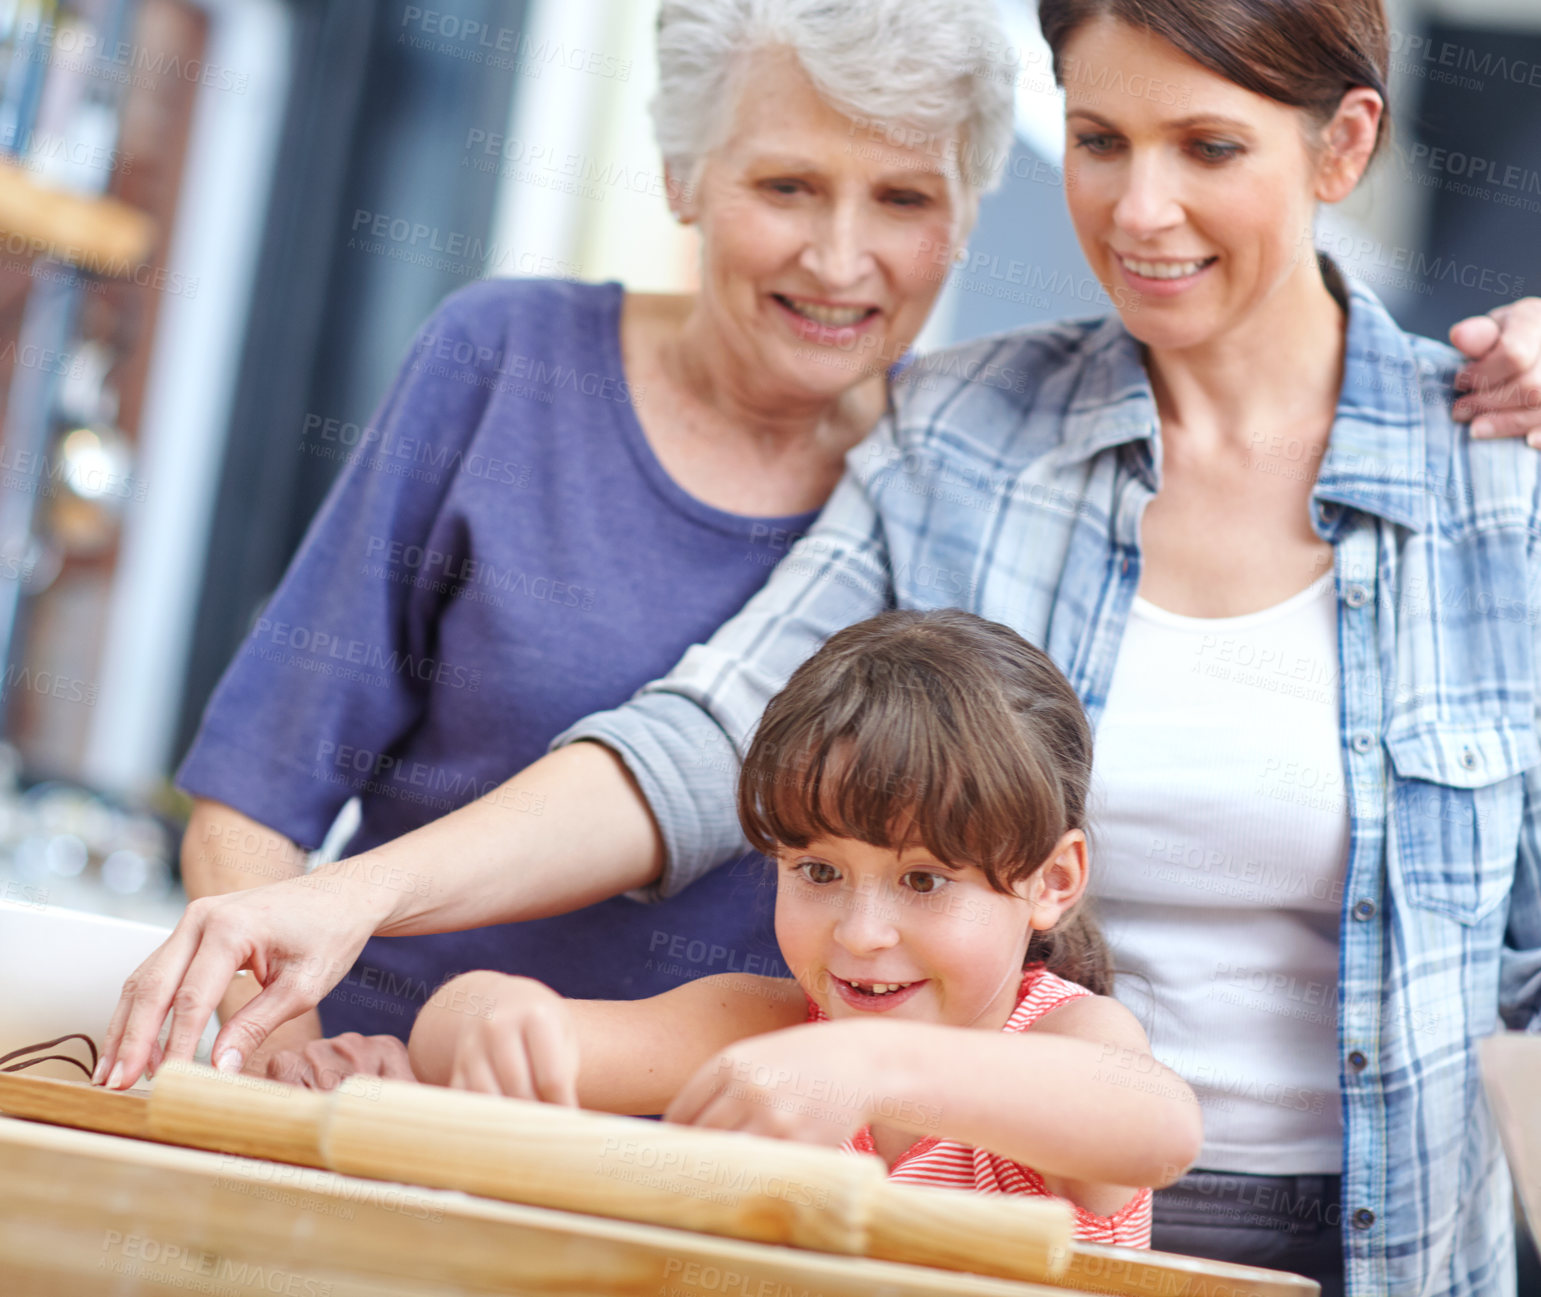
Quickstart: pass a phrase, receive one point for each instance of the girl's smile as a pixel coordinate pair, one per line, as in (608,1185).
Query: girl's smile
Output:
(875,997)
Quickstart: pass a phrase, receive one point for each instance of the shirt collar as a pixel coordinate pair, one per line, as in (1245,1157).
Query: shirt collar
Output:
(1376,458)
(1112,403)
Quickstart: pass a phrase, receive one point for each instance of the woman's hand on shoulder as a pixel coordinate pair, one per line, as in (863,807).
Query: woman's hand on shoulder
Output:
(817,1083)
(324,1064)
(1501,383)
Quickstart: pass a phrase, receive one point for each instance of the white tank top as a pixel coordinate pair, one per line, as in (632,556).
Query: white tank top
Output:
(1219,834)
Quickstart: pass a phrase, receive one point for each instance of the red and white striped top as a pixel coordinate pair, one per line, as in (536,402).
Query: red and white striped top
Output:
(947,1164)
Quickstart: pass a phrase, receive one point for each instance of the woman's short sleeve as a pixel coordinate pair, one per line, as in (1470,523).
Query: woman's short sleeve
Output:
(335,667)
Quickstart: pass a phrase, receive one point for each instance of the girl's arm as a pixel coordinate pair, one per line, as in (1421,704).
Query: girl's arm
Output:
(1147,1113)
(1077,1097)
(513,1035)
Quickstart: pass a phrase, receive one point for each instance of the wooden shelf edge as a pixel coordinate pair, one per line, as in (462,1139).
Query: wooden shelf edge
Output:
(103,236)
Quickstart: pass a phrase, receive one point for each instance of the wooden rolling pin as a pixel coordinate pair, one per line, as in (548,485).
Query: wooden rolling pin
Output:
(736,1185)
(714,1182)
(75,1103)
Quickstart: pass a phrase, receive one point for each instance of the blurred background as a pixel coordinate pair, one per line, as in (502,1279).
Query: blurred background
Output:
(222,220)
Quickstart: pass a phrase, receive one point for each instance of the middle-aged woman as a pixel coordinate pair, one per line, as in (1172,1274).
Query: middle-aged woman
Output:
(1298,599)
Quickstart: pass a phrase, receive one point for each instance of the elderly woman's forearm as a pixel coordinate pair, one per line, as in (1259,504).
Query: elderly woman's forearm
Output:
(568,831)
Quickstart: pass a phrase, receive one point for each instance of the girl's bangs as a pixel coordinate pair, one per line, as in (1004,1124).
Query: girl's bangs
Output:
(894,787)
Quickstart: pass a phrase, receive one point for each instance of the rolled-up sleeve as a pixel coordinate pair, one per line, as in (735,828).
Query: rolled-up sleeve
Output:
(328,666)
(682,737)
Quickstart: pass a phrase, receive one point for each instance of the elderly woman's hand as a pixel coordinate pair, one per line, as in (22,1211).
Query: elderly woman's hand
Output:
(325,1064)
(1502,382)
(298,937)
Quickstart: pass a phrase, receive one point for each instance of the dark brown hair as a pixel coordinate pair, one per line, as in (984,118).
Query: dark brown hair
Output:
(941,727)
(1304,53)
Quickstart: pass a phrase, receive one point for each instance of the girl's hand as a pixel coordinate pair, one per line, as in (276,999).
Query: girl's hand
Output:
(818,1083)
(525,1047)
(324,1064)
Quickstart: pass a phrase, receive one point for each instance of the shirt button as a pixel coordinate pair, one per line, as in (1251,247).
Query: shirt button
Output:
(1364,910)
(1468,759)
(1357,1061)
(1364,1218)
(1363,741)
(1355,595)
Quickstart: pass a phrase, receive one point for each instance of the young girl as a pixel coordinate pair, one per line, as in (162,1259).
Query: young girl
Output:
(921,785)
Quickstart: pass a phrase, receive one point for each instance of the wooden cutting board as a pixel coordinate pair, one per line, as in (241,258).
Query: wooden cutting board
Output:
(90,1215)
(526,1153)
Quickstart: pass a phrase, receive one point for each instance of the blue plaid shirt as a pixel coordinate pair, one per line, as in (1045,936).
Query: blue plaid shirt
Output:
(1010,479)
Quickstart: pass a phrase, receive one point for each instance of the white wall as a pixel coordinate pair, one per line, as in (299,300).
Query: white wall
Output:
(582,182)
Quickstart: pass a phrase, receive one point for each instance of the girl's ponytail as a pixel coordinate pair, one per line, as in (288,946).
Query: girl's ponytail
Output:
(1074,949)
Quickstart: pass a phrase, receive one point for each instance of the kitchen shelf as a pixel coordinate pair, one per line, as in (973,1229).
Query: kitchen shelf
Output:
(101,235)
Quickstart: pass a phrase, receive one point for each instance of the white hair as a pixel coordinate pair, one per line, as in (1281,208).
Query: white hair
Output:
(942,65)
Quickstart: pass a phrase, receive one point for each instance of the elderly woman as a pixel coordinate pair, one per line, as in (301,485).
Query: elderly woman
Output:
(568,484)
(1129,493)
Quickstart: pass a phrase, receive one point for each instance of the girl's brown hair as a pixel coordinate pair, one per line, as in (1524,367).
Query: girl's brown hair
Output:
(941,727)
(1304,53)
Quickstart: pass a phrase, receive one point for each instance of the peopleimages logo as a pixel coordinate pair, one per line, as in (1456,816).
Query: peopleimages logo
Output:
(323,645)
(79,47)
(1363,254)
(1446,60)
(388,449)
(505,47)
(427,568)
(161,1264)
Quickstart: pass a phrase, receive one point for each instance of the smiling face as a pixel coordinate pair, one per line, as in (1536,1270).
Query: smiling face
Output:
(1193,198)
(868,930)
(823,245)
